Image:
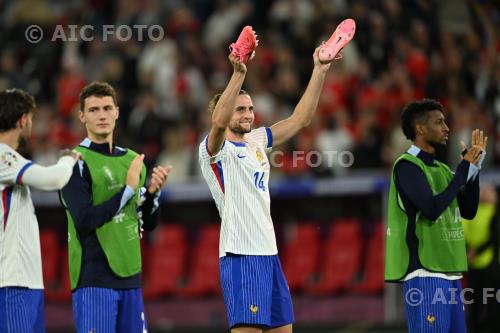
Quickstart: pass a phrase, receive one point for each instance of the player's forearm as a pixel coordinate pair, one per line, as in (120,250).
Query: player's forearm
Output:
(468,199)
(414,185)
(225,106)
(223,112)
(304,111)
(77,198)
(308,104)
(49,178)
(88,217)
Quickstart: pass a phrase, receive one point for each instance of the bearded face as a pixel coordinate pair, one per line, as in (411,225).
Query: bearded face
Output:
(243,116)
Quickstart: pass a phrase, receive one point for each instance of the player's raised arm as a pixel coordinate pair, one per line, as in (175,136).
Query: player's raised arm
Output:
(225,106)
(241,52)
(323,56)
(304,111)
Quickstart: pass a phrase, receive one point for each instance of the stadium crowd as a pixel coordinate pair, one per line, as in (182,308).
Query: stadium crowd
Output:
(403,50)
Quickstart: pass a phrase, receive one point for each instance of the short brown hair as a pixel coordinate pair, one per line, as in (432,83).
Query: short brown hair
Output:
(213,102)
(98,89)
(13,104)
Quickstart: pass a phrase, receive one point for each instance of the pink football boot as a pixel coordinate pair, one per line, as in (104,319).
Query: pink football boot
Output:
(340,38)
(245,46)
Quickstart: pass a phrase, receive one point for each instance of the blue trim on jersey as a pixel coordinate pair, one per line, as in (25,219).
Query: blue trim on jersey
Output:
(109,310)
(19,177)
(238,144)
(434,305)
(206,145)
(269,137)
(221,173)
(6,198)
(255,291)
(21,310)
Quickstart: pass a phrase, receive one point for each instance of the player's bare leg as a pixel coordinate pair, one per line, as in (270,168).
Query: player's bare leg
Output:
(247,329)
(281,329)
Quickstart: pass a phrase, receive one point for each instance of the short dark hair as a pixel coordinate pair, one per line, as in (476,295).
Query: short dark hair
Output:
(13,104)
(417,111)
(213,102)
(98,89)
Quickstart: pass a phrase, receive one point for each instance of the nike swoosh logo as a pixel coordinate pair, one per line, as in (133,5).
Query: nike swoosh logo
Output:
(242,156)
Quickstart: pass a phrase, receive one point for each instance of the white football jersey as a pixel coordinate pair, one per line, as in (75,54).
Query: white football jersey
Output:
(238,177)
(20,257)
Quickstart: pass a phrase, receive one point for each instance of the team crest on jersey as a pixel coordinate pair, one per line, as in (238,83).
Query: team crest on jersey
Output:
(254,309)
(260,157)
(113,184)
(109,174)
(8,158)
(431,319)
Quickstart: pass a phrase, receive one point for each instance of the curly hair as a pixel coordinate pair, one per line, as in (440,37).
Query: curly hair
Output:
(415,112)
(98,89)
(13,104)
(213,102)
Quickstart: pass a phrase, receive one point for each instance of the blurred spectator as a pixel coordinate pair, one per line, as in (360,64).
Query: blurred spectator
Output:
(222,25)
(482,236)
(157,69)
(334,140)
(10,74)
(368,138)
(178,154)
(26,12)
(146,127)
(69,85)
(401,51)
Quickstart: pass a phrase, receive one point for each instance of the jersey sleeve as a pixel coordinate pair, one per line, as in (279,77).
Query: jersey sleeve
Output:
(205,156)
(262,137)
(12,167)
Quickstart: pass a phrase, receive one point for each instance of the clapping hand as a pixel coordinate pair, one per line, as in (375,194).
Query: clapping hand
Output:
(158,178)
(479,144)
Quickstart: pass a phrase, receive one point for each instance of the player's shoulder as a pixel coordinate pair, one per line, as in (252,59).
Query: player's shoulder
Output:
(203,146)
(9,157)
(255,133)
(261,136)
(6,148)
(124,151)
(203,142)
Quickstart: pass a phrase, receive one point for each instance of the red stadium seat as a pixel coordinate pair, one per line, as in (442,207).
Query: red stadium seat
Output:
(49,244)
(340,258)
(62,291)
(203,276)
(373,273)
(166,263)
(300,255)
